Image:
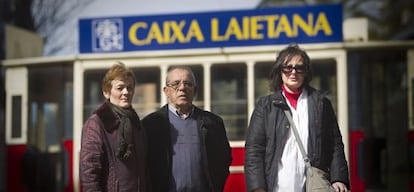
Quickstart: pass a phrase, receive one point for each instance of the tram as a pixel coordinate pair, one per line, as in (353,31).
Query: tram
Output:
(369,83)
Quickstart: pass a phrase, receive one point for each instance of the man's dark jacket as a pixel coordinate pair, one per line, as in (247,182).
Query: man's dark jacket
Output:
(267,135)
(215,148)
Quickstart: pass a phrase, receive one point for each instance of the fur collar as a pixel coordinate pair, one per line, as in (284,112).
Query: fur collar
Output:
(108,117)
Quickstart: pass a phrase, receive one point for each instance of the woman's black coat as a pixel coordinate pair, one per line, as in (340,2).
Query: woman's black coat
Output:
(267,135)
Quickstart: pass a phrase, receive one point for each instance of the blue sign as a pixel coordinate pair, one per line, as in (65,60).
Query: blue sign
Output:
(270,26)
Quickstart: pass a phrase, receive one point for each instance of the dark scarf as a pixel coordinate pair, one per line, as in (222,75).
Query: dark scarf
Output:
(125,131)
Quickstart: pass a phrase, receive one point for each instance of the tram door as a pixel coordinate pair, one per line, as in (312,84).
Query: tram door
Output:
(50,129)
(39,127)
(410,66)
(378,108)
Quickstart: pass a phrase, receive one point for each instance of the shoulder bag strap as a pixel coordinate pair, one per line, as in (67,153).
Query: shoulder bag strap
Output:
(298,140)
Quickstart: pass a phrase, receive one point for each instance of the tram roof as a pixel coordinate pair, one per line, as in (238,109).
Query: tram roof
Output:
(204,51)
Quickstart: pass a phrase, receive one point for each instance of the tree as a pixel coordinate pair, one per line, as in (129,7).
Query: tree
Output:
(54,20)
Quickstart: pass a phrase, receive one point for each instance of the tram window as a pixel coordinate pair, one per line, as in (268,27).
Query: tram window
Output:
(51,105)
(378,107)
(147,90)
(50,112)
(92,93)
(228,97)
(199,75)
(16,108)
(324,78)
(261,78)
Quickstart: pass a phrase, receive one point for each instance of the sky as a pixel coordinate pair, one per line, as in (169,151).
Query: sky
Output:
(156,7)
(66,36)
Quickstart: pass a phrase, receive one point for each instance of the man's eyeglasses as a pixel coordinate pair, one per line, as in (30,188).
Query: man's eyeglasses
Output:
(297,68)
(176,84)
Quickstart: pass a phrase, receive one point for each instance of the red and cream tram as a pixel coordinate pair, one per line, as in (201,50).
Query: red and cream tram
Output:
(369,83)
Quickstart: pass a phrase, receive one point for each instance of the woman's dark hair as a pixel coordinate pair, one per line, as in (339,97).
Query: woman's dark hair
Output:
(284,58)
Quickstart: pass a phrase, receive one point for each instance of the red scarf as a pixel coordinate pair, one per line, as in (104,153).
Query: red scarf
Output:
(292,97)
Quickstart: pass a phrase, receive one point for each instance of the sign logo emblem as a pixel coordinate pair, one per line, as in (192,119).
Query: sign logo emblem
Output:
(108,35)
